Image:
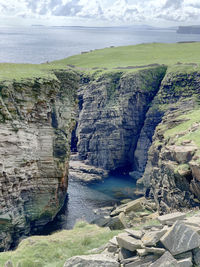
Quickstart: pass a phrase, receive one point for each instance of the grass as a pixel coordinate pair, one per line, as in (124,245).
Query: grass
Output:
(53,250)
(178,57)
(191,118)
(137,55)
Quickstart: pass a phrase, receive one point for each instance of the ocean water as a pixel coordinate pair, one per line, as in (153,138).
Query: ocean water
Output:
(40,44)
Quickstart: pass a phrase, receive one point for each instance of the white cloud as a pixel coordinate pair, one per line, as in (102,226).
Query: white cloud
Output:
(112,11)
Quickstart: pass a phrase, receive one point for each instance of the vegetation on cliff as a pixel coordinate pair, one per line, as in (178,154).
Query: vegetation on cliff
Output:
(184,56)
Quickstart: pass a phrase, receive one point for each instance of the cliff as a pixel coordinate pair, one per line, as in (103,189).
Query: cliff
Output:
(112,114)
(36,120)
(173,166)
(116,118)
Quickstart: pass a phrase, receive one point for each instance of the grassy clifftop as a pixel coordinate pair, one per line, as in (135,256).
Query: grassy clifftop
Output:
(179,56)
(53,250)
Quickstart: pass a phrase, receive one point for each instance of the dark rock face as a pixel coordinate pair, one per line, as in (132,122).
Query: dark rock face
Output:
(112,116)
(36,120)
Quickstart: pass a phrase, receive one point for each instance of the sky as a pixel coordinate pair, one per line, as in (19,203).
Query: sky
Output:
(160,13)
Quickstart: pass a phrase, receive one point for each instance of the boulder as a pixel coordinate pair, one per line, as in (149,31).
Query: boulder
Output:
(135,233)
(118,222)
(142,262)
(113,241)
(125,254)
(95,260)
(156,251)
(180,238)
(171,218)
(128,242)
(166,260)
(142,252)
(152,237)
(135,205)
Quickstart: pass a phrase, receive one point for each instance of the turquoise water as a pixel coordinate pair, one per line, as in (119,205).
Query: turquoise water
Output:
(116,187)
(82,199)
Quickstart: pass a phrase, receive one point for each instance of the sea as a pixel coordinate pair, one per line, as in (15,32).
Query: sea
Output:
(38,44)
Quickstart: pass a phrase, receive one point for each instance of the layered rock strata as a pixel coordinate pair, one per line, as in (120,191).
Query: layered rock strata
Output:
(112,113)
(36,120)
(173,166)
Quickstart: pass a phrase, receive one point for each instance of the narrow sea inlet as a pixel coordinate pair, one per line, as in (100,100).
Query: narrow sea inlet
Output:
(84,199)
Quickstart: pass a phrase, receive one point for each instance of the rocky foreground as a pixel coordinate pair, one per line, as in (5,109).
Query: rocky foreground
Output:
(175,242)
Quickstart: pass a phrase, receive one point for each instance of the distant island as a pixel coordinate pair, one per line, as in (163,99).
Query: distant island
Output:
(189,29)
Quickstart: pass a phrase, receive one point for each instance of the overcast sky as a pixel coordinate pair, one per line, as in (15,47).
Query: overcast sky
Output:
(100,12)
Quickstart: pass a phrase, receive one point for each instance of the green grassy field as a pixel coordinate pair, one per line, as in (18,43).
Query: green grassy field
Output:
(55,249)
(128,58)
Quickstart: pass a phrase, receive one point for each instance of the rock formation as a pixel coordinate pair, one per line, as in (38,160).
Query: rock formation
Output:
(36,120)
(120,119)
(112,113)
(175,242)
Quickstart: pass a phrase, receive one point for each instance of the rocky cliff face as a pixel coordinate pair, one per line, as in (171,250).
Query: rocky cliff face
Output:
(117,117)
(112,113)
(173,165)
(36,120)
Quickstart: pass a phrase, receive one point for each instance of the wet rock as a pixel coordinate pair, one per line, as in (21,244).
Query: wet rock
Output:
(180,238)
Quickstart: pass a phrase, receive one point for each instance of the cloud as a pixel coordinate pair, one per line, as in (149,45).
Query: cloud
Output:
(114,11)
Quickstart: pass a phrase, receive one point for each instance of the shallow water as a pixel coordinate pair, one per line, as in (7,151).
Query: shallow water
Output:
(83,199)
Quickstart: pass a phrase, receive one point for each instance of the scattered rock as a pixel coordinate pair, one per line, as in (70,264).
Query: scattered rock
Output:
(95,260)
(180,238)
(135,233)
(135,205)
(166,260)
(171,217)
(125,254)
(128,242)
(152,237)
(117,222)
(142,262)
(156,251)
